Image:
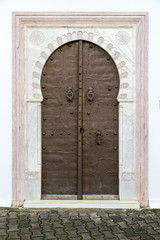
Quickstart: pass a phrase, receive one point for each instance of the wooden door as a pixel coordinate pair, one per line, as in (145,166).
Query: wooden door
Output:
(59,122)
(100,122)
(79,123)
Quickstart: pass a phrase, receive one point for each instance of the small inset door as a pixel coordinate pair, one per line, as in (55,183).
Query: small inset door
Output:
(80,84)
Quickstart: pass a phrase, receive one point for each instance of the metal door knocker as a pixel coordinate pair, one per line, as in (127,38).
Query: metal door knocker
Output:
(70,94)
(90,94)
(98,137)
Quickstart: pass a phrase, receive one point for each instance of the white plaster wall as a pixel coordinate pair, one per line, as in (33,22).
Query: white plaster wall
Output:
(6,7)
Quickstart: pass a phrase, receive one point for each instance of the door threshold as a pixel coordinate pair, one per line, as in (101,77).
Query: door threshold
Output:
(84,197)
(108,204)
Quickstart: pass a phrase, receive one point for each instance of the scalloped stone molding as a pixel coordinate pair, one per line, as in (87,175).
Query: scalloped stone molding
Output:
(133,98)
(90,36)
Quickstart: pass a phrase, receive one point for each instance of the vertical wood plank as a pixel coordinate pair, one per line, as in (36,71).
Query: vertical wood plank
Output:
(80,121)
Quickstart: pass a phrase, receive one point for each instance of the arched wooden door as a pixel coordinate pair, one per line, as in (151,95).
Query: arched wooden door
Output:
(80,84)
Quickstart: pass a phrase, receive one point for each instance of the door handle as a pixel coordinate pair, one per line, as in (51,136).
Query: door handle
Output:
(90,94)
(98,137)
(70,94)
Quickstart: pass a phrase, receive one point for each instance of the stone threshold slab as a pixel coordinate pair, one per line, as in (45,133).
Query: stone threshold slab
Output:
(108,204)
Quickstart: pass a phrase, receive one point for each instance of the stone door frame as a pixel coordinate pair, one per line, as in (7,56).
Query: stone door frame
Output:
(140,22)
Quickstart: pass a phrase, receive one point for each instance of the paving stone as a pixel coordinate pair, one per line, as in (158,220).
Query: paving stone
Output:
(68,226)
(88,225)
(25,237)
(135,238)
(102,227)
(3,219)
(157,237)
(121,236)
(108,234)
(75,238)
(72,233)
(3,232)
(94,232)
(65,220)
(23,218)
(45,222)
(3,213)
(97,220)
(23,223)
(122,225)
(13,234)
(78,223)
(62,237)
(130,233)
(49,235)
(47,228)
(85,236)
(3,238)
(36,233)
(3,225)
(12,228)
(154,225)
(130,221)
(54,217)
(116,229)
(110,222)
(81,229)
(24,230)
(37,238)
(57,225)
(12,221)
(35,225)
(60,231)
(150,230)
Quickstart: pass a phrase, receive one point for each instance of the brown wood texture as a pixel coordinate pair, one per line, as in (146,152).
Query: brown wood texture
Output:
(80,133)
(80,118)
(59,122)
(100,153)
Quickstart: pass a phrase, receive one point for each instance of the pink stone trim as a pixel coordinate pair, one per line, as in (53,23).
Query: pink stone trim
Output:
(141,21)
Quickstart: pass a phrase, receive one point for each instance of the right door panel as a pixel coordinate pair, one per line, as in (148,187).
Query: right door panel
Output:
(100,122)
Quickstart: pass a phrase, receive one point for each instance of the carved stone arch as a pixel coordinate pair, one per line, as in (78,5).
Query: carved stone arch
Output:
(88,36)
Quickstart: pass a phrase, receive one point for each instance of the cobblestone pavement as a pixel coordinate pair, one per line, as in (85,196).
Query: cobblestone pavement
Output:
(76,224)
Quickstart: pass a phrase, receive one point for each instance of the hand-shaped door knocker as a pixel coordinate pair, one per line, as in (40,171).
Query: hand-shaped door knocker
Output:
(90,94)
(70,94)
(98,137)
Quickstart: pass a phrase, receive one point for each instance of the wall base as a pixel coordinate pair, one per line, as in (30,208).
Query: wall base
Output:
(113,204)
(154,203)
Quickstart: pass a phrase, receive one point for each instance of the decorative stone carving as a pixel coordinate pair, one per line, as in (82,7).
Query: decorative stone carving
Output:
(122,37)
(37,37)
(105,44)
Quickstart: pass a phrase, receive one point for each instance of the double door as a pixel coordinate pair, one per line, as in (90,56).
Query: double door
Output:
(80,85)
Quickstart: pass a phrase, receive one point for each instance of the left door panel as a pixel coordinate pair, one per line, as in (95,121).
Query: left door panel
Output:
(59,85)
